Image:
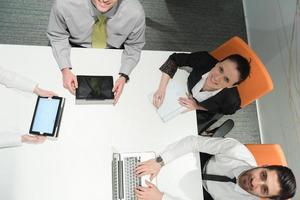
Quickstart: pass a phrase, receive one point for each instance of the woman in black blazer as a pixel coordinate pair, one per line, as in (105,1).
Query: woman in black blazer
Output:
(221,79)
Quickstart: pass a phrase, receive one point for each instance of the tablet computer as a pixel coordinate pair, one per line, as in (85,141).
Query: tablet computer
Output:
(47,116)
(94,90)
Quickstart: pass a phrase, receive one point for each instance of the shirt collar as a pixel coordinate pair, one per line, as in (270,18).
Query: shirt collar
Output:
(108,14)
(204,76)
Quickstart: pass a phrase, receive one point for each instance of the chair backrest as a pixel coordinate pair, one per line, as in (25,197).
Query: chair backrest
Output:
(259,82)
(267,154)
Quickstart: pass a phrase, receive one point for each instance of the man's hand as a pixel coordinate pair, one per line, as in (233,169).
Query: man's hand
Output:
(43,93)
(158,97)
(148,193)
(118,88)
(70,80)
(33,139)
(148,167)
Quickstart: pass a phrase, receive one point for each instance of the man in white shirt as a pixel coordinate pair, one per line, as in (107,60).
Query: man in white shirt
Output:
(13,80)
(230,159)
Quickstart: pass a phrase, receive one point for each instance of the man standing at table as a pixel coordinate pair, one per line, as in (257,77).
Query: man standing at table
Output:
(229,172)
(116,24)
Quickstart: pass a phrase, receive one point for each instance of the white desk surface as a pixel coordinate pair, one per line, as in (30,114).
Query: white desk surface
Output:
(78,165)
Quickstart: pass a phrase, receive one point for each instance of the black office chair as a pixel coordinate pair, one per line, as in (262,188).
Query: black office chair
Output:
(219,131)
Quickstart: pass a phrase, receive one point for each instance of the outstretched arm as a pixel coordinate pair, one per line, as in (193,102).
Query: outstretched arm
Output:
(159,95)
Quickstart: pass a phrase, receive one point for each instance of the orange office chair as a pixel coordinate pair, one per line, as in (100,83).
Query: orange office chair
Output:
(255,86)
(267,154)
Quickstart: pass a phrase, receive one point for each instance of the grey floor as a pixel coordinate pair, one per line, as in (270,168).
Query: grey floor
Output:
(172,25)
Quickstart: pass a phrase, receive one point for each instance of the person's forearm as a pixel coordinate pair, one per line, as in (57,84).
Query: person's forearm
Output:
(210,145)
(169,67)
(130,57)
(169,197)
(9,139)
(61,52)
(127,64)
(164,80)
(13,80)
(133,45)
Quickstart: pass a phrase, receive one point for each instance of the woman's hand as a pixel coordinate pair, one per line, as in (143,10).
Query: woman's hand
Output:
(188,102)
(158,97)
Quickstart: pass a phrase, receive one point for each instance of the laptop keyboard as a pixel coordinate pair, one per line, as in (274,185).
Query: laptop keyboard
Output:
(131,180)
(115,181)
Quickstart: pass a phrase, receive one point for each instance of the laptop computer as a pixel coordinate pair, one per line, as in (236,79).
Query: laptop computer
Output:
(94,90)
(124,180)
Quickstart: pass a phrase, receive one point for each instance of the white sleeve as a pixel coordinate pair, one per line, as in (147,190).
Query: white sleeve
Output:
(9,139)
(13,80)
(210,145)
(169,197)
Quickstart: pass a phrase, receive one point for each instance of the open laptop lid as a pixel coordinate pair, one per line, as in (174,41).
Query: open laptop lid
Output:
(95,87)
(47,116)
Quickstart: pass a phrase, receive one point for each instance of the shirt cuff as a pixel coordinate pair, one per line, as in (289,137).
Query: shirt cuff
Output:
(125,70)
(169,67)
(125,76)
(65,63)
(167,157)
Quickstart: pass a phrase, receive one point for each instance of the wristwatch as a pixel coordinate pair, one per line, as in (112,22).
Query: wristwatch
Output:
(125,76)
(160,161)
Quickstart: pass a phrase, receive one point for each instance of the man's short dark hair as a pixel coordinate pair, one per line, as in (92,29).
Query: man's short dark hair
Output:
(243,66)
(287,182)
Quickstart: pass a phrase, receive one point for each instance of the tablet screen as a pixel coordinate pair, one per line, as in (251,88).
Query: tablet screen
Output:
(95,87)
(45,115)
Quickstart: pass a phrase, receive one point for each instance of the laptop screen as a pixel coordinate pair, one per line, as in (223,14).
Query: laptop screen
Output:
(45,115)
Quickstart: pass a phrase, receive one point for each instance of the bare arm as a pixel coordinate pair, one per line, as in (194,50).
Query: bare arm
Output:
(159,95)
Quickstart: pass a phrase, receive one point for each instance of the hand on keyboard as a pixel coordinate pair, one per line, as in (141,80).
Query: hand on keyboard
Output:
(148,193)
(149,167)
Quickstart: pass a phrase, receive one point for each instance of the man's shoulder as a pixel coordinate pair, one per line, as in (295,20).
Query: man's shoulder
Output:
(133,7)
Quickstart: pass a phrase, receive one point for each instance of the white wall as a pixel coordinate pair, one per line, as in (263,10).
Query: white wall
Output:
(270,32)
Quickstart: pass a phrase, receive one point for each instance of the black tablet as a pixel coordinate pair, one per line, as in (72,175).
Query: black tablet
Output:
(47,116)
(94,89)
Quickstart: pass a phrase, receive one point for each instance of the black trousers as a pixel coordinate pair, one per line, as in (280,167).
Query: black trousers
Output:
(204,157)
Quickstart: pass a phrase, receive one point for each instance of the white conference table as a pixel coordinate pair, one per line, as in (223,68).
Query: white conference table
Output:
(78,164)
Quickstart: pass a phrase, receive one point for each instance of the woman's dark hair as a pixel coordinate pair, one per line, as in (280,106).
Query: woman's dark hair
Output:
(287,182)
(243,66)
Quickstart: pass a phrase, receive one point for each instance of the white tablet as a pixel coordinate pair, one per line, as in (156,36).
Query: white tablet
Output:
(47,116)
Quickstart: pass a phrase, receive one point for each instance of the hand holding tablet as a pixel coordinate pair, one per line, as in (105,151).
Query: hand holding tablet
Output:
(32,139)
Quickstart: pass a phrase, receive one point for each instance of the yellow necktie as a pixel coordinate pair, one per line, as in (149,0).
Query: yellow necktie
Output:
(99,33)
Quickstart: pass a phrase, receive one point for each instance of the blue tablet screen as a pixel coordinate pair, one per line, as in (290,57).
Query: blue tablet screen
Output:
(45,115)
